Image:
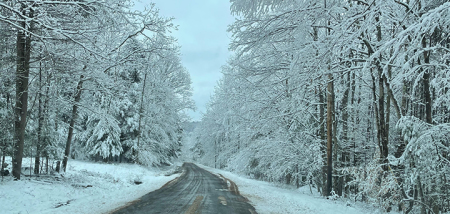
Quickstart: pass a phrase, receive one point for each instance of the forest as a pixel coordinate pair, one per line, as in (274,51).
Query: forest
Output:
(350,97)
(95,80)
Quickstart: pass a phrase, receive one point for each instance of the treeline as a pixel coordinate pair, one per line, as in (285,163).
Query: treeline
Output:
(351,97)
(89,79)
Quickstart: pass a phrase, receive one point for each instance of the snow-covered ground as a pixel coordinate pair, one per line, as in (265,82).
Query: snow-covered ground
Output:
(89,187)
(86,187)
(267,198)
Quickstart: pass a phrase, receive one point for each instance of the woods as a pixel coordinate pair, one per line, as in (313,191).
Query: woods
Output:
(350,97)
(73,78)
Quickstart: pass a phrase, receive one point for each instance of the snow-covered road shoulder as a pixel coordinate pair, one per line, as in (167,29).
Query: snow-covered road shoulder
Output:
(267,198)
(85,188)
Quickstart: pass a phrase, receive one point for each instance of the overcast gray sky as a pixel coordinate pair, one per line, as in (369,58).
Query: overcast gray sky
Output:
(202,26)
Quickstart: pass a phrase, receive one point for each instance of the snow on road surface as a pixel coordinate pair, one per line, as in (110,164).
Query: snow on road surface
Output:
(85,188)
(267,198)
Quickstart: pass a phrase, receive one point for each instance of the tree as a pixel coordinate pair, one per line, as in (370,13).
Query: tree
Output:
(22,73)
(376,67)
(97,41)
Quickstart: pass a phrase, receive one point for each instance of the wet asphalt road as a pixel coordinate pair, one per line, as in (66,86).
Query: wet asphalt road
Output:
(195,191)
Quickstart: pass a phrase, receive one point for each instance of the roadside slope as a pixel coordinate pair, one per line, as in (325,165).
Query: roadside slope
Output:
(86,187)
(269,198)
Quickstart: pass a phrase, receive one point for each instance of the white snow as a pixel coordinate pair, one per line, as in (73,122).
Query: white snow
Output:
(112,187)
(268,198)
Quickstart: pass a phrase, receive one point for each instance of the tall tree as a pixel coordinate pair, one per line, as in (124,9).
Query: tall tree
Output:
(22,74)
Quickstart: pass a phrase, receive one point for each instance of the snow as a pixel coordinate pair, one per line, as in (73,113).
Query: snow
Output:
(268,198)
(89,187)
(112,186)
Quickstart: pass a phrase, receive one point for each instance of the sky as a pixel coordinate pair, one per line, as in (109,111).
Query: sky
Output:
(202,34)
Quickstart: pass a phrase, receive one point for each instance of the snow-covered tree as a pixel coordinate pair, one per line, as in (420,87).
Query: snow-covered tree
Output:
(82,70)
(388,65)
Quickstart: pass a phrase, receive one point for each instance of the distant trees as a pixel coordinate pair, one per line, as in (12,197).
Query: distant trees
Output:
(79,70)
(350,96)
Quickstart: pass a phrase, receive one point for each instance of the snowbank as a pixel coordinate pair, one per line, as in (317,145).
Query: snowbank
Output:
(268,198)
(85,188)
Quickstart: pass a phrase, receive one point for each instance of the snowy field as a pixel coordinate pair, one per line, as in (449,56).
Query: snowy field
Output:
(268,198)
(86,187)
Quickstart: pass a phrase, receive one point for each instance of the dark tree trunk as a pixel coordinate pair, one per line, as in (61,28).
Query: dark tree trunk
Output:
(22,73)
(2,167)
(44,148)
(330,113)
(383,132)
(322,127)
(355,117)
(72,122)
(40,124)
(426,86)
(345,157)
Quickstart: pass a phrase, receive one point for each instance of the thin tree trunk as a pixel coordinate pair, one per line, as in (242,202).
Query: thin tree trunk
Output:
(330,113)
(337,147)
(136,151)
(345,142)
(45,118)
(383,131)
(403,110)
(3,162)
(322,140)
(57,97)
(46,164)
(72,122)
(345,116)
(388,106)
(22,73)
(330,116)
(354,116)
(383,139)
(428,110)
(40,124)
(426,85)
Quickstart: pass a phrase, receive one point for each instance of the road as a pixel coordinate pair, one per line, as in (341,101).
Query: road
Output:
(195,191)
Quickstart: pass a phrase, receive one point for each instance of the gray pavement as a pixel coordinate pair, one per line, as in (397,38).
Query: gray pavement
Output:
(195,191)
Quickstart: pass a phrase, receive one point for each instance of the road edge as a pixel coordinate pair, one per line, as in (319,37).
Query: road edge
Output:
(233,188)
(171,182)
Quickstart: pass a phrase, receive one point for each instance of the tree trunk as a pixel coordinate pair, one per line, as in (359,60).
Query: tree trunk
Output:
(46,164)
(322,126)
(345,142)
(2,167)
(355,117)
(22,73)
(72,122)
(322,140)
(428,111)
(403,110)
(345,116)
(40,124)
(383,138)
(44,148)
(426,85)
(136,151)
(330,113)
